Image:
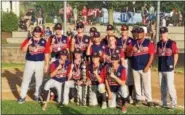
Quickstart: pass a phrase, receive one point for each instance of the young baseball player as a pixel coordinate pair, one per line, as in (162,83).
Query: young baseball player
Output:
(113,49)
(142,58)
(37,60)
(60,70)
(75,80)
(58,42)
(96,75)
(110,32)
(80,40)
(125,42)
(116,82)
(134,32)
(91,32)
(96,45)
(168,56)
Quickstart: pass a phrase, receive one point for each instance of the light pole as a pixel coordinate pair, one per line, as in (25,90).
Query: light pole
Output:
(158,21)
(65,4)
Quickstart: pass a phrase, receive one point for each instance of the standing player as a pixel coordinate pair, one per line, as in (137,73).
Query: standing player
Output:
(143,55)
(116,82)
(168,56)
(110,32)
(96,45)
(60,70)
(37,60)
(80,40)
(125,42)
(96,75)
(58,42)
(113,49)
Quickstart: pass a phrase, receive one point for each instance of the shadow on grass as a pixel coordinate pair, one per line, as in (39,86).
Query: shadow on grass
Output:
(68,110)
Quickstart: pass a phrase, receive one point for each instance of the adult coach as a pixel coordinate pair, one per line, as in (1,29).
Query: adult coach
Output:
(142,58)
(37,60)
(168,56)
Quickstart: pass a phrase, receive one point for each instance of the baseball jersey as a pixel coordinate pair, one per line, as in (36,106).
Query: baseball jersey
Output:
(101,73)
(105,40)
(98,49)
(41,47)
(125,44)
(166,53)
(109,52)
(141,56)
(76,71)
(59,44)
(62,74)
(120,73)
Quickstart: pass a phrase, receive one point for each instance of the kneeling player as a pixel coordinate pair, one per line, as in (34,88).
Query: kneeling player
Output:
(115,82)
(59,71)
(75,80)
(96,74)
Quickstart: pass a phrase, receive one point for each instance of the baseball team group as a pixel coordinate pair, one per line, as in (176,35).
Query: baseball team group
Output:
(107,71)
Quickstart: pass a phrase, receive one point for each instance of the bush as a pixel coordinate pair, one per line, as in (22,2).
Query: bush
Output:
(9,22)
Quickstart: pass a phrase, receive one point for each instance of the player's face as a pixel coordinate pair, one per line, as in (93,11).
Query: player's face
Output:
(115,63)
(37,34)
(96,39)
(77,55)
(80,30)
(95,60)
(58,32)
(141,35)
(124,33)
(91,33)
(63,57)
(134,35)
(112,40)
(164,36)
(110,32)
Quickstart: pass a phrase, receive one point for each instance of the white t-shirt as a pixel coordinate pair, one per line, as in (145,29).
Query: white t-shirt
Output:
(55,20)
(163,22)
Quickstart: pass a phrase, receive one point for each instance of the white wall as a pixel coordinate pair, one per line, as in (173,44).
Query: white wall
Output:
(15,7)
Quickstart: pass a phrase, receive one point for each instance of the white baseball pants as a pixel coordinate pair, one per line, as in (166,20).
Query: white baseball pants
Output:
(31,67)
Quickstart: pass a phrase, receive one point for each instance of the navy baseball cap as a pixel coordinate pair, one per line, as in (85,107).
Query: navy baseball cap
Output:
(37,29)
(58,26)
(78,50)
(114,57)
(95,55)
(79,25)
(96,34)
(92,29)
(63,52)
(110,27)
(124,27)
(163,30)
(140,30)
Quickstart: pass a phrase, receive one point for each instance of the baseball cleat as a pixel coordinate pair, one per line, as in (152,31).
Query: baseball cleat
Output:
(104,105)
(131,100)
(124,109)
(37,99)
(149,104)
(44,106)
(21,100)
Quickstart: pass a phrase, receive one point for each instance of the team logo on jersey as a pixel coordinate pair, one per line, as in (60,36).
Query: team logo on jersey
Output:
(129,41)
(103,47)
(43,42)
(64,41)
(117,51)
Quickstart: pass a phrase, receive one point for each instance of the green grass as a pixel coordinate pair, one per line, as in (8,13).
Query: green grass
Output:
(12,107)
(12,65)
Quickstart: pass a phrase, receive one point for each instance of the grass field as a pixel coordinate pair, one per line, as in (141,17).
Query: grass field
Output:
(12,107)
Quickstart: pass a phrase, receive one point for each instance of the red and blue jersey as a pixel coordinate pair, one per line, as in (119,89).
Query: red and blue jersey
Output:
(98,49)
(142,53)
(120,73)
(82,42)
(38,51)
(62,74)
(59,44)
(76,72)
(166,53)
(101,72)
(125,44)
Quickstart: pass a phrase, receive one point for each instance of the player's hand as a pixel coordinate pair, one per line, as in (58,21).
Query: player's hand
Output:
(90,43)
(53,41)
(88,83)
(30,42)
(59,67)
(112,75)
(46,67)
(79,83)
(135,49)
(72,41)
(145,69)
(110,95)
(72,66)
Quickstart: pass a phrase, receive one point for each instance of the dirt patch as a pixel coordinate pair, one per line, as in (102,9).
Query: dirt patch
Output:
(6,35)
(11,79)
